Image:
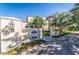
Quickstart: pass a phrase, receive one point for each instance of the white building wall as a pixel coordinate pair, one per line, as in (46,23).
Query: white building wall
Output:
(30,19)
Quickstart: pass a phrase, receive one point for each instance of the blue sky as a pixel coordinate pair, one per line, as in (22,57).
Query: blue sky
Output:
(22,10)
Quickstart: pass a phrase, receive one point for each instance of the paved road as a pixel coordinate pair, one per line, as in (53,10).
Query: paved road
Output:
(65,45)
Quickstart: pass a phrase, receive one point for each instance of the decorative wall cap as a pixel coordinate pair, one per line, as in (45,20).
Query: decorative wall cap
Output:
(11,18)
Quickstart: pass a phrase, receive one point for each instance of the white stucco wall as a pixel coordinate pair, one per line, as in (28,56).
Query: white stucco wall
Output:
(19,25)
(11,38)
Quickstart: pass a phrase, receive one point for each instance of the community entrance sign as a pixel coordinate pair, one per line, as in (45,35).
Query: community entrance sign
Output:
(35,34)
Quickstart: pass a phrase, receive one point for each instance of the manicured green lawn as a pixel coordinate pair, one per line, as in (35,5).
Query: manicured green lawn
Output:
(65,32)
(46,33)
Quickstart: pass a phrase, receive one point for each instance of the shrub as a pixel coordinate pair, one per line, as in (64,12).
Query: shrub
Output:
(24,46)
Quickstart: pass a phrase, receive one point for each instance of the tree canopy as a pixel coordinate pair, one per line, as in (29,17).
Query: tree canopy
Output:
(38,22)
